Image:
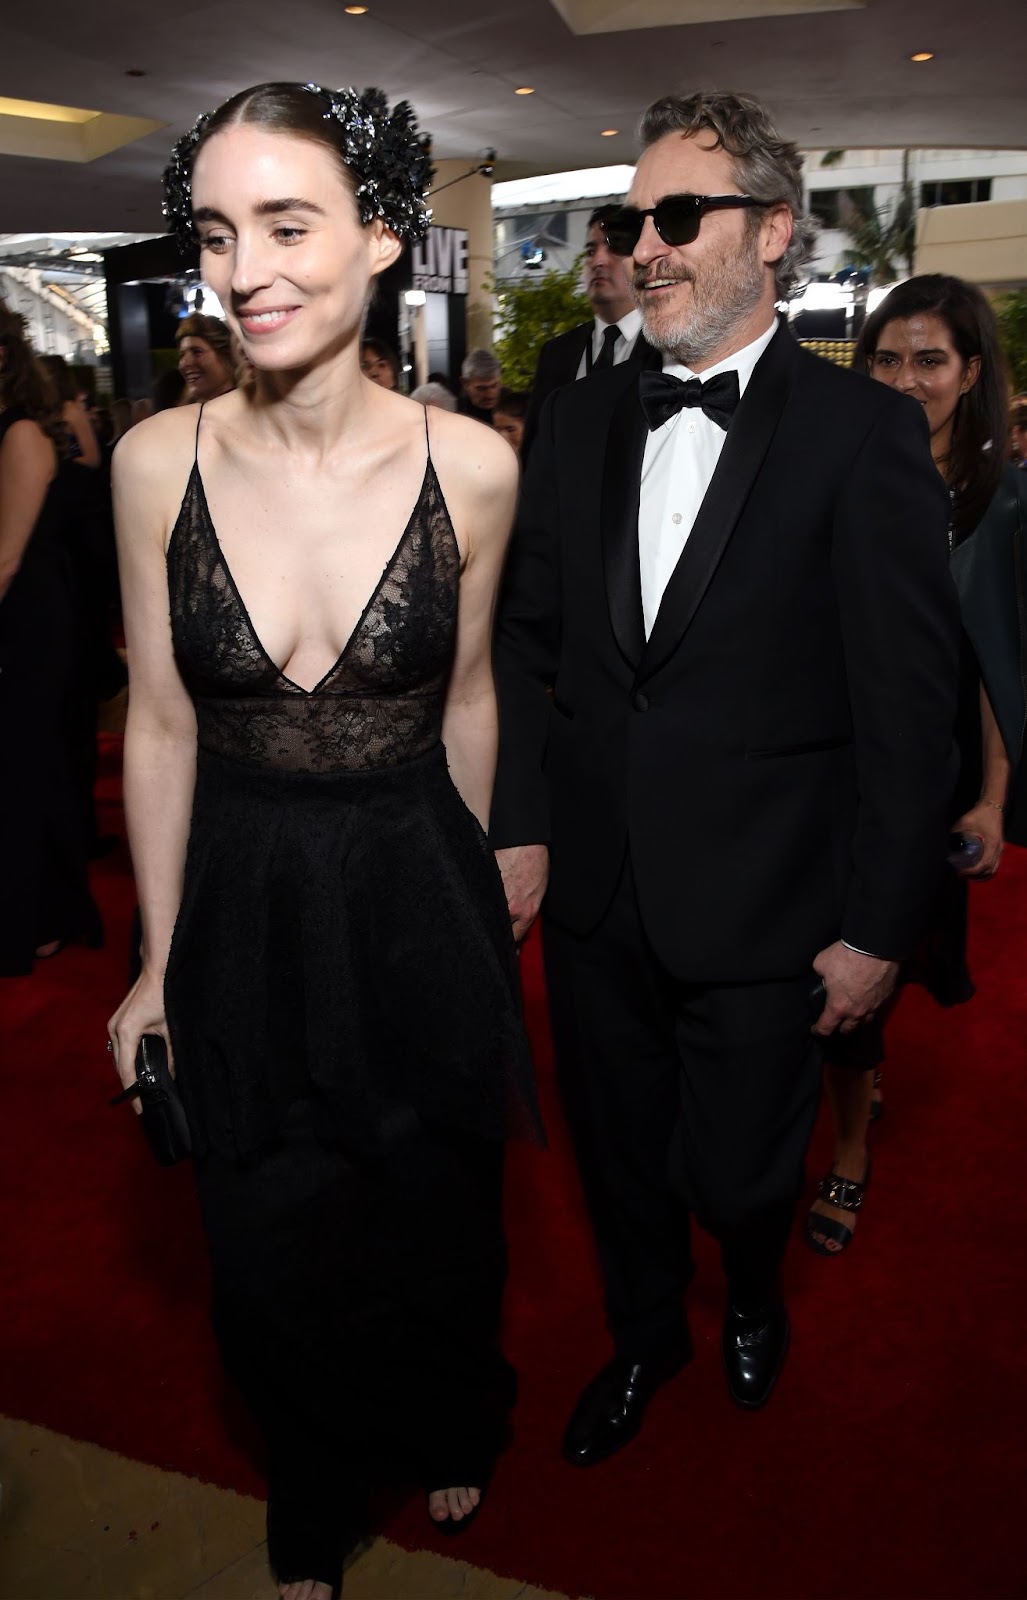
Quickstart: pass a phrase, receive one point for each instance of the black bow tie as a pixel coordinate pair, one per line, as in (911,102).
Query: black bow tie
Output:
(663,396)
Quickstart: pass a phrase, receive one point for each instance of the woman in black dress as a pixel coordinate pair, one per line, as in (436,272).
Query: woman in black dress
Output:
(45,900)
(308,767)
(934,338)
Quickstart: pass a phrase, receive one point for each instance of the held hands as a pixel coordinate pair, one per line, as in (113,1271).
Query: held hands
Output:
(985,820)
(525,872)
(857,987)
(141,1011)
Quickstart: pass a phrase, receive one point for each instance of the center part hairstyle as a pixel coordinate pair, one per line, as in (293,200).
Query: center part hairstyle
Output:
(975,462)
(386,163)
(766,166)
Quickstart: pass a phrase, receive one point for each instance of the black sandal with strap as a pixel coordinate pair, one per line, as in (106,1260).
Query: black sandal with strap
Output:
(847,1195)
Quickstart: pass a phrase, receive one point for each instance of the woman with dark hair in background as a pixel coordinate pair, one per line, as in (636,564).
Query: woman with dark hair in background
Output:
(508,417)
(309,761)
(207,359)
(45,900)
(935,339)
(380,363)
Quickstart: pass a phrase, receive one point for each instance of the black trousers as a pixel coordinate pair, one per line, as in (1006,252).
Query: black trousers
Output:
(683,1100)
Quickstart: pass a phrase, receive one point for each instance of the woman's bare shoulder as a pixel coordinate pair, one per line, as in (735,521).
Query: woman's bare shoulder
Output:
(470,455)
(155,451)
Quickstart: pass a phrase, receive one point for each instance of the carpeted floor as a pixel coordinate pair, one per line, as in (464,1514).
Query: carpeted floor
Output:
(890,1462)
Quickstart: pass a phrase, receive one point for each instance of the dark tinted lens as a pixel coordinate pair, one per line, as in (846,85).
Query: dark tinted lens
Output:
(677,219)
(623,230)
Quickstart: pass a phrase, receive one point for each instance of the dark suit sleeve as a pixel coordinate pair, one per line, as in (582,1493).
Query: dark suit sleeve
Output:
(900,630)
(526,652)
(545,381)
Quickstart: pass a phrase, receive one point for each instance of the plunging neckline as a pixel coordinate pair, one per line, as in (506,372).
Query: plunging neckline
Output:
(376,591)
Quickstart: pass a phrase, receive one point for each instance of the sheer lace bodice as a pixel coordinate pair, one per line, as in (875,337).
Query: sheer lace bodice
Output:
(379,705)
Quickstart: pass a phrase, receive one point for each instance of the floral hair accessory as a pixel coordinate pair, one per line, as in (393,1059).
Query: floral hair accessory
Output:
(390,162)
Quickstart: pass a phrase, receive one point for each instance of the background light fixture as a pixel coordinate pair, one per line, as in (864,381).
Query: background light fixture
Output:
(608,133)
(524,90)
(414,297)
(923,55)
(355,11)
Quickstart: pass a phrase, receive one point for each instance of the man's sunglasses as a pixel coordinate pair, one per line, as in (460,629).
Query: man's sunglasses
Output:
(675,218)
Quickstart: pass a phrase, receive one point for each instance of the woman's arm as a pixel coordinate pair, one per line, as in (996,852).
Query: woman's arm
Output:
(985,818)
(27,466)
(478,472)
(160,735)
(73,415)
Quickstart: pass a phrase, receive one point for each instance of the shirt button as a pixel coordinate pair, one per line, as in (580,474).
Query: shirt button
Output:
(691,427)
(676,517)
(640,701)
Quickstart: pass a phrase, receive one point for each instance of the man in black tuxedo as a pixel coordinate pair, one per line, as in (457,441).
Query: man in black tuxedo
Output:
(726,662)
(612,337)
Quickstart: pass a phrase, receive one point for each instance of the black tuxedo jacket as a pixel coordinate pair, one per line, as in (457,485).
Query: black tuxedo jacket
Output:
(778,756)
(558,363)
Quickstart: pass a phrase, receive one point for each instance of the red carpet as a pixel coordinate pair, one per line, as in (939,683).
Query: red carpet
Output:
(890,1463)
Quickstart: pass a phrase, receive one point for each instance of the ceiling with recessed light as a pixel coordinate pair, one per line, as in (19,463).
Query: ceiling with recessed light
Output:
(836,74)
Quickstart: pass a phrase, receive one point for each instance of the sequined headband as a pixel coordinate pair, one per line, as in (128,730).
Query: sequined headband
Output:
(388,158)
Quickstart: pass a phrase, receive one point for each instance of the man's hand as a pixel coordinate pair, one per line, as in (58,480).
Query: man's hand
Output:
(525,873)
(857,987)
(986,822)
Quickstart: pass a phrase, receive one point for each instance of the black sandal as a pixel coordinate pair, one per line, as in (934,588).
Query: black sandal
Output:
(847,1195)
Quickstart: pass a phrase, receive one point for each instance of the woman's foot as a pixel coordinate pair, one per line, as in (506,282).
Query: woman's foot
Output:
(851,1163)
(449,1505)
(306,1589)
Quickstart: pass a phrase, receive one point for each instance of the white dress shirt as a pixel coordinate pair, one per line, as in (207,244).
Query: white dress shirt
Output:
(630,328)
(679,462)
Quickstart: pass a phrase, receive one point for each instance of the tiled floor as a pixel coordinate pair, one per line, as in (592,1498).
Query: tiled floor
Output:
(80,1523)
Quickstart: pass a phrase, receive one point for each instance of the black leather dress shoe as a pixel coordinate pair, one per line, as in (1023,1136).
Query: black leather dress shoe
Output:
(754,1350)
(610,1411)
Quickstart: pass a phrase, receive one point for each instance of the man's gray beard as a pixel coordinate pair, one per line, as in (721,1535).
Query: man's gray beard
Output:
(730,291)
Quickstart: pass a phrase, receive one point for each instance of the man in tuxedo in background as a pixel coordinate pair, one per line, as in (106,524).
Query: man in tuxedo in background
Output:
(613,336)
(726,662)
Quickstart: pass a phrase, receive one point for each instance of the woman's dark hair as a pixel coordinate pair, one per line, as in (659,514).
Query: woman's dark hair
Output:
(61,376)
(980,426)
(384,161)
(167,389)
(513,402)
(381,352)
(24,384)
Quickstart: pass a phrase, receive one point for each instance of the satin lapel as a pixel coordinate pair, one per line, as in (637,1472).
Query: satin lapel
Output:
(622,477)
(746,445)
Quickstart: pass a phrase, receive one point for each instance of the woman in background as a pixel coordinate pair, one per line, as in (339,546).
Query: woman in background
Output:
(206,358)
(380,363)
(508,417)
(45,901)
(935,339)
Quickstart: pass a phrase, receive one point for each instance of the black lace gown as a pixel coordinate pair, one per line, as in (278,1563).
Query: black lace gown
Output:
(343,1005)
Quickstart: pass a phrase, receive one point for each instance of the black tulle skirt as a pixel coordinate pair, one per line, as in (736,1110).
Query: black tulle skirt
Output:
(343,1004)
(343,938)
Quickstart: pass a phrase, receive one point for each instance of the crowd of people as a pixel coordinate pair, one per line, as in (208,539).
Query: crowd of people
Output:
(737,710)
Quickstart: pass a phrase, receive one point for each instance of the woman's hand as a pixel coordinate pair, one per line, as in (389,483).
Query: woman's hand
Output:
(985,820)
(141,1011)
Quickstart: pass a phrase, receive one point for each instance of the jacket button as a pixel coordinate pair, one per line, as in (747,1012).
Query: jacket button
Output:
(640,701)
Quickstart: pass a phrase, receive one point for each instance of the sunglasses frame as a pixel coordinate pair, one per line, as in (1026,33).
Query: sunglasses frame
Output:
(701,203)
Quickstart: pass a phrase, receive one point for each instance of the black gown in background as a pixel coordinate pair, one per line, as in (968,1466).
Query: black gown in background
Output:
(343,1006)
(45,893)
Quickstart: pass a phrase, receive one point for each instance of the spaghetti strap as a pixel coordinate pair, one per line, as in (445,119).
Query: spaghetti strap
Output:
(196,447)
(427,435)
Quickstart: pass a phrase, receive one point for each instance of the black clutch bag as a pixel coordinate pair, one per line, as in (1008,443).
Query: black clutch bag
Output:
(163,1117)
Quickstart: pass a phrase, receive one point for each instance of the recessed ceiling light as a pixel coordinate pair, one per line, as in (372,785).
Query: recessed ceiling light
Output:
(355,11)
(524,91)
(608,133)
(923,55)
